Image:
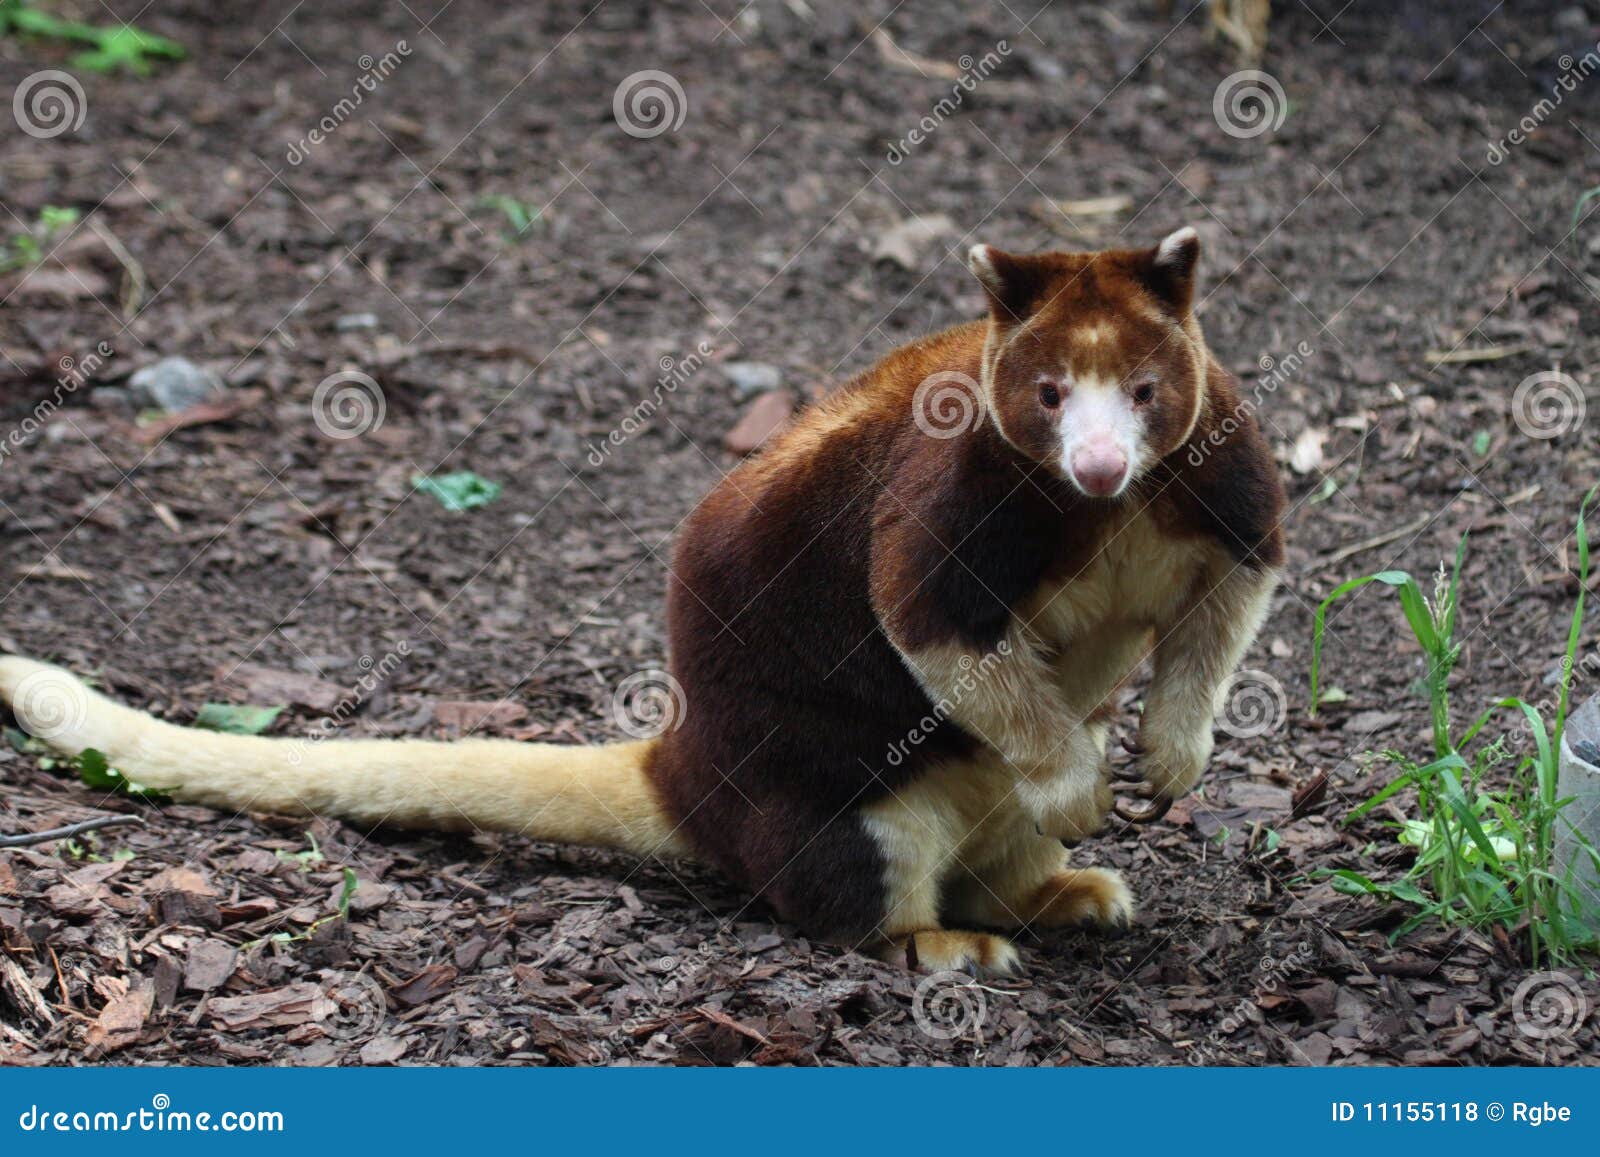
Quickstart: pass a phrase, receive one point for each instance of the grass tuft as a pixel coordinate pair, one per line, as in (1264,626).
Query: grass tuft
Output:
(1485,856)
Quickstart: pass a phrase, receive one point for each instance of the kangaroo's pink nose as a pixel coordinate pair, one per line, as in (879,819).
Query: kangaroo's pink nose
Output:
(1099,470)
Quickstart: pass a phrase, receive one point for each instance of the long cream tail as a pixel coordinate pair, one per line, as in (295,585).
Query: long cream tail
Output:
(598,796)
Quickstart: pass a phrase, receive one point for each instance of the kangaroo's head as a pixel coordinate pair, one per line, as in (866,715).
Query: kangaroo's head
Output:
(1094,365)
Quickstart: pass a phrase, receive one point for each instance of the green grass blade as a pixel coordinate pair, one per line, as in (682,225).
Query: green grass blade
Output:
(1392,578)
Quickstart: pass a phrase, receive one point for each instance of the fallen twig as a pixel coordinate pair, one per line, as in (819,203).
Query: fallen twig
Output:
(1367,544)
(28,839)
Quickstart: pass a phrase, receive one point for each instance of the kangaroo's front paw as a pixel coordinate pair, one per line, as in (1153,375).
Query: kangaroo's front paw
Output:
(1174,758)
(1070,809)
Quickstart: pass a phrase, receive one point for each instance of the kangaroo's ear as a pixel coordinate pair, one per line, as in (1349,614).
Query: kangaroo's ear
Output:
(1169,269)
(1014,283)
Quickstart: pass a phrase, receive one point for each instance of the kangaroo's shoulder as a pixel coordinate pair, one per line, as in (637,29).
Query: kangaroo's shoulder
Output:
(1224,482)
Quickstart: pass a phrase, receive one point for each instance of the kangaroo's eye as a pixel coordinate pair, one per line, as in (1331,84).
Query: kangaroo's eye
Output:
(1049,395)
(1144,394)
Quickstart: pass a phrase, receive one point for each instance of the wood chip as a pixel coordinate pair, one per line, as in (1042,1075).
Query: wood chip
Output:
(276,1008)
(121,1021)
(383,1050)
(432,982)
(16,986)
(209,965)
(477,715)
(762,418)
(1463,356)
(254,683)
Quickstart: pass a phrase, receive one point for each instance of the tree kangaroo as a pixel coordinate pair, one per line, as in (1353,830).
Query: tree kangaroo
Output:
(898,630)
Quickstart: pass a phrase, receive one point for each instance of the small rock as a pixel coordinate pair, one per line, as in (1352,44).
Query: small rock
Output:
(351,322)
(902,243)
(753,377)
(1306,454)
(369,896)
(1371,722)
(174,384)
(112,398)
(762,418)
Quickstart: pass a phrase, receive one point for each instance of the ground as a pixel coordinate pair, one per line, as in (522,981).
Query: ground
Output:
(1382,214)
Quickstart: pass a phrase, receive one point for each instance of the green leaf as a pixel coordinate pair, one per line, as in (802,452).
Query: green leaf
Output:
(235,719)
(1577,210)
(1480,443)
(1391,578)
(97,773)
(23,743)
(460,491)
(1351,883)
(517,213)
(351,883)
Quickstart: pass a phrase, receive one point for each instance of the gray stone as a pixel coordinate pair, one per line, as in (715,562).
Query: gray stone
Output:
(753,377)
(174,384)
